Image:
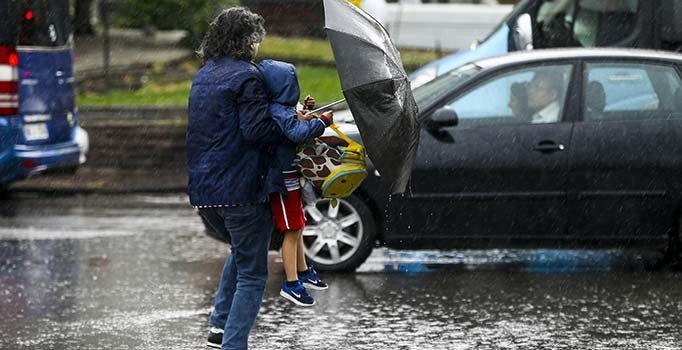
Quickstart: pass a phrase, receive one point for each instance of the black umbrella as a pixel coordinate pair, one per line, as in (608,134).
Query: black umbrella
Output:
(376,88)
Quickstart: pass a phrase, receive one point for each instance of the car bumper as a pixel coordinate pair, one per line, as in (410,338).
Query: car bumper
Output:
(37,159)
(82,139)
(10,169)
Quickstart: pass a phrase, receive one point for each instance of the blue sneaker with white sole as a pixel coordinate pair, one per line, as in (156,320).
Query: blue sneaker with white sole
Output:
(310,280)
(297,294)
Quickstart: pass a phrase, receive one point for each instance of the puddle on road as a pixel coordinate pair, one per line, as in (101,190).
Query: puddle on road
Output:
(67,290)
(530,260)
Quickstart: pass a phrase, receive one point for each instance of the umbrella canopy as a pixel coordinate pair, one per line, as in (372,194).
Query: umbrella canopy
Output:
(376,88)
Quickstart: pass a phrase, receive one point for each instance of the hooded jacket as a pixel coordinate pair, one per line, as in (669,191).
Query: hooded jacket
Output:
(284,92)
(230,130)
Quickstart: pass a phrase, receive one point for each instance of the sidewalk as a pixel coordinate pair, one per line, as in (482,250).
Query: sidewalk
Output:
(127,154)
(129,47)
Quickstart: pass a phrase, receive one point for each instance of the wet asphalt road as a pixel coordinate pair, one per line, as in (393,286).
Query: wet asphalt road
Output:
(137,272)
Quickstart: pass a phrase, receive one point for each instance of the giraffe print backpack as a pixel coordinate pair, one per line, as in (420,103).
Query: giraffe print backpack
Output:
(335,171)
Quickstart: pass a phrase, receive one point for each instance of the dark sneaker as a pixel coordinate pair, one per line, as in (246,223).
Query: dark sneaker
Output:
(297,294)
(310,280)
(215,338)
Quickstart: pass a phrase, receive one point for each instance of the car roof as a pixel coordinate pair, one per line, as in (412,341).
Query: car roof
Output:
(556,54)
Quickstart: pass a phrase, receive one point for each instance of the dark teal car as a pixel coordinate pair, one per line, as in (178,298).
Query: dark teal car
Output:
(592,159)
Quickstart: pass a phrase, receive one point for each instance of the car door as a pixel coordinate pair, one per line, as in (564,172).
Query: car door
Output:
(500,173)
(625,156)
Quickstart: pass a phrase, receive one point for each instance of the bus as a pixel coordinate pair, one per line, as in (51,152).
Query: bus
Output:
(39,128)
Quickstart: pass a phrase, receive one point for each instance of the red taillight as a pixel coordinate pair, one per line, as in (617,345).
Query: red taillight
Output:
(28,164)
(8,56)
(13,59)
(9,81)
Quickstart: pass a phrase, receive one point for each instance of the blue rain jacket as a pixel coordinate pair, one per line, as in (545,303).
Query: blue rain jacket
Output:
(229,133)
(284,92)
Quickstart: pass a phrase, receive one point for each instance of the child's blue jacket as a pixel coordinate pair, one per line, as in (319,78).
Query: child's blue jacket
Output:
(282,86)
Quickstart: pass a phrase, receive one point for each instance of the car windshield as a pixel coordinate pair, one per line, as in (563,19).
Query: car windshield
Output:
(433,91)
(503,22)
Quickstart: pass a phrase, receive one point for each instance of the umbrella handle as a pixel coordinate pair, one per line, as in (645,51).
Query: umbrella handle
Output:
(327,106)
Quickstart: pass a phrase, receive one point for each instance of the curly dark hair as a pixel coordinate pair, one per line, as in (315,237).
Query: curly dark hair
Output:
(232,33)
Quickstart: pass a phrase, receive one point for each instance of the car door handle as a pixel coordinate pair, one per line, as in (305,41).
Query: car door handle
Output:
(548,147)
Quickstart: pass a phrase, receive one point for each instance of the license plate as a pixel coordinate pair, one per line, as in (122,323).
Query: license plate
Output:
(33,132)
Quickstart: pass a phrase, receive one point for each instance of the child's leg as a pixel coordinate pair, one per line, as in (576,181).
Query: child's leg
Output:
(289,254)
(301,264)
(307,274)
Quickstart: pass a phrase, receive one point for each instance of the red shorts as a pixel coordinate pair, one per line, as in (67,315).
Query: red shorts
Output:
(288,211)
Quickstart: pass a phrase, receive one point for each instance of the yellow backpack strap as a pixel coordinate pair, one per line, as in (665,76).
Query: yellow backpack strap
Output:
(352,145)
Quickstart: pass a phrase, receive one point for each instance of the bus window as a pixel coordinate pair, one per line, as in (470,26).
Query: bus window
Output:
(44,23)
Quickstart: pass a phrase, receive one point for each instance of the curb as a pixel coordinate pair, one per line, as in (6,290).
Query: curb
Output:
(74,191)
(114,113)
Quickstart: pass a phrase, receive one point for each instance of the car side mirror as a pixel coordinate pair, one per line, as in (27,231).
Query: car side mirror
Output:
(523,30)
(442,118)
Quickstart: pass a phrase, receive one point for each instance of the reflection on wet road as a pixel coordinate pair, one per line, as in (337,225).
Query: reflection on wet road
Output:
(137,272)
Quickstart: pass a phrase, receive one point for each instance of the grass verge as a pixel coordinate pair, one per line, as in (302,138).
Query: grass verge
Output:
(321,82)
(313,58)
(319,52)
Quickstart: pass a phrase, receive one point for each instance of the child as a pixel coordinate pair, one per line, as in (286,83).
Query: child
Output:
(285,194)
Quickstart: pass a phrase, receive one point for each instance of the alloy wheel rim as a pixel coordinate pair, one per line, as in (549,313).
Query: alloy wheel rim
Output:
(332,235)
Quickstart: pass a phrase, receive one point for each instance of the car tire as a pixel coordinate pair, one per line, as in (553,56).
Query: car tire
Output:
(275,240)
(213,233)
(71,170)
(338,238)
(674,251)
(672,256)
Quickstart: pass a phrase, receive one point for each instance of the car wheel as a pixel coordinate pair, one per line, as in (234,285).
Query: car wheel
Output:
(341,237)
(675,243)
(213,231)
(71,170)
(672,257)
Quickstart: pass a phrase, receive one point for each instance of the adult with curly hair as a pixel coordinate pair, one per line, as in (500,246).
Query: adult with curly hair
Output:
(229,131)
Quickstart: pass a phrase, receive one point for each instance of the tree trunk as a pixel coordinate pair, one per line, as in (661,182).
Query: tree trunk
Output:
(82,19)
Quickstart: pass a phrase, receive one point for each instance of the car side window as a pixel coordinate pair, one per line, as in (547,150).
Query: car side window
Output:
(617,91)
(525,96)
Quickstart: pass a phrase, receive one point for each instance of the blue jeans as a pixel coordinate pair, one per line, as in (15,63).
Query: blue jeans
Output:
(240,292)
